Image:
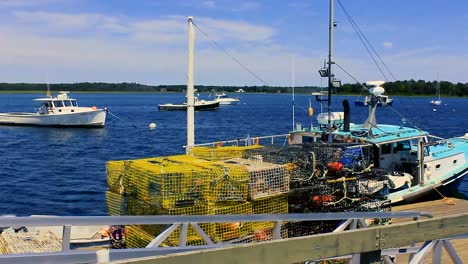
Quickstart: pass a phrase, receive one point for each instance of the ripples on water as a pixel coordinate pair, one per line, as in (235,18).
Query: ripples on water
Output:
(62,171)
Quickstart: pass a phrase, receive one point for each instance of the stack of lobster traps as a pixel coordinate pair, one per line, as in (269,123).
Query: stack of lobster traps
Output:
(314,177)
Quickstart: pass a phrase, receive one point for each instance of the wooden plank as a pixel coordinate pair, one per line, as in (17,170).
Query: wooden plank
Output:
(323,245)
(424,230)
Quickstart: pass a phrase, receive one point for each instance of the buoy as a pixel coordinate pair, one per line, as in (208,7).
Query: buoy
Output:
(435,110)
(94,107)
(260,235)
(152,125)
(310,111)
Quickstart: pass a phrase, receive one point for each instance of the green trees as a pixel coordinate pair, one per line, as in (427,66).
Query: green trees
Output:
(406,87)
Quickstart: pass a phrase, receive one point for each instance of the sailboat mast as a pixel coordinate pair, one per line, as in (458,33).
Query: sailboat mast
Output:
(293,99)
(190,88)
(330,62)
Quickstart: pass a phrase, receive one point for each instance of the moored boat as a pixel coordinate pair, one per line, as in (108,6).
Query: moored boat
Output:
(224,99)
(376,89)
(437,101)
(59,111)
(199,105)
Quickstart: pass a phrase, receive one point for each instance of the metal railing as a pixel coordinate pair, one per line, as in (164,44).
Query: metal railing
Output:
(350,221)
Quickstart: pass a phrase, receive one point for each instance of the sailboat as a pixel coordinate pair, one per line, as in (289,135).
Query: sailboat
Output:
(436,101)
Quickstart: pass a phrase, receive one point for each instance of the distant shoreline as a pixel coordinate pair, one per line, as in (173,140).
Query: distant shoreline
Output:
(170,92)
(396,88)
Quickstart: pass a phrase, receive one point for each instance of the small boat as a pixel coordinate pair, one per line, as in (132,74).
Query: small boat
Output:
(59,111)
(436,101)
(224,99)
(200,105)
(377,90)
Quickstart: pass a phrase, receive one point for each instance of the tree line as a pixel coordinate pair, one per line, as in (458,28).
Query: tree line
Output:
(407,87)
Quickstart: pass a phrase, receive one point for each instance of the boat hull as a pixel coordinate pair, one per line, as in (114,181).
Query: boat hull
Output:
(91,119)
(430,191)
(228,102)
(183,107)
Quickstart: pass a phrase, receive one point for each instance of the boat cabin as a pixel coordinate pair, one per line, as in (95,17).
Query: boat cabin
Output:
(60,103)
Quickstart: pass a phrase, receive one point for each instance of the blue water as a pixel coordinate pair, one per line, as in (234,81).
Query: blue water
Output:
(61,171)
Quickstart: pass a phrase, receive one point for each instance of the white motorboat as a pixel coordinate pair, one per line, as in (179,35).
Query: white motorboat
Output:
(200,105)
(59,111)
(224,99)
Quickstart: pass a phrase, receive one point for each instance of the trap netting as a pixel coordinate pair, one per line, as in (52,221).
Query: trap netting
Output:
(221,153)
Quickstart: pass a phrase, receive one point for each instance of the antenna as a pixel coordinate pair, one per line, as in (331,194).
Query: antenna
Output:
(48,86)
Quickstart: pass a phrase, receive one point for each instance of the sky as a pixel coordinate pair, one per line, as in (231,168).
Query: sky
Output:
(243,42)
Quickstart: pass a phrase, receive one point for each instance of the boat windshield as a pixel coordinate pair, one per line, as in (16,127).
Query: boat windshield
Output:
(58,103)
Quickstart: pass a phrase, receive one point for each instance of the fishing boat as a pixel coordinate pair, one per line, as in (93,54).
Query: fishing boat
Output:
(436,101)
(224,99)
(400,163)
(375,89)
(58,111)
(199,105)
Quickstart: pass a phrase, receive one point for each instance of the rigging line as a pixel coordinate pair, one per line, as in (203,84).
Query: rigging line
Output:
(364,36)
(360,36)
(352,77)
(227,53)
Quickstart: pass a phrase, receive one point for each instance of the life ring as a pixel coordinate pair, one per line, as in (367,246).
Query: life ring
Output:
(290,139)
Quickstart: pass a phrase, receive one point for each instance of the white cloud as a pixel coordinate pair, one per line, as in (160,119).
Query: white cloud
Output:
(66,21)
(388,44)
(209,4)
(246,6)
(227,29)
(24,3)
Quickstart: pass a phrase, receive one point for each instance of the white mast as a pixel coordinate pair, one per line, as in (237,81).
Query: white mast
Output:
(293,98)
(190,88)
(48,86)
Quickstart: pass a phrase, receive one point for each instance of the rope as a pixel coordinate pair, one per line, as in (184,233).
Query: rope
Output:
(107,110)
(445,200)
(345,195)
(232,57)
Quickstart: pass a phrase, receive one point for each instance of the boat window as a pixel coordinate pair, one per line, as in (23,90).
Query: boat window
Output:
(386,148)
(401,146)
(438,166)
(454,161)
(74,103)
(58,103)
(67,103)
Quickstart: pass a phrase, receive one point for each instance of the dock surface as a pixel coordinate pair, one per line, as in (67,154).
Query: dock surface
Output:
(441,207)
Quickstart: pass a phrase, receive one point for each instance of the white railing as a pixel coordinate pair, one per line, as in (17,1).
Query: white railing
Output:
(350,221)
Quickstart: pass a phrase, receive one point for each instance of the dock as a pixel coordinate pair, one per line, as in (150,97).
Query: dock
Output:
(438,208)
(410,226)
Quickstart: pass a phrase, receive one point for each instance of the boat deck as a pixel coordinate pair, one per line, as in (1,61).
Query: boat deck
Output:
(441,207)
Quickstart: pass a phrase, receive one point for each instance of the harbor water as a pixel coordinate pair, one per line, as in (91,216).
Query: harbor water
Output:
(61,171)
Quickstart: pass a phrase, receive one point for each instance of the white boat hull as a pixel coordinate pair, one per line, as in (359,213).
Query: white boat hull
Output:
(91,118)
(228,102)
